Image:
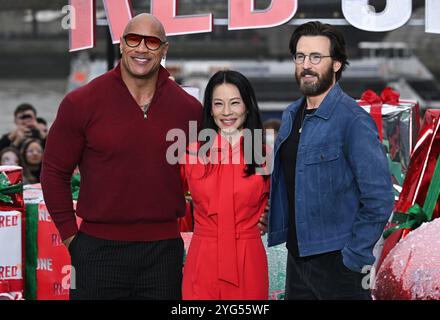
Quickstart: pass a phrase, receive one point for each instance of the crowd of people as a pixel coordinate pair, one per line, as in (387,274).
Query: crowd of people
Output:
(24,145)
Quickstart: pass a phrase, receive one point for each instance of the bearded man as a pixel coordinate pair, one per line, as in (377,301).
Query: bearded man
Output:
(331,189)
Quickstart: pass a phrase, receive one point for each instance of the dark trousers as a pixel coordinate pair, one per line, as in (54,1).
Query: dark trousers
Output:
(324,277)
(107,269)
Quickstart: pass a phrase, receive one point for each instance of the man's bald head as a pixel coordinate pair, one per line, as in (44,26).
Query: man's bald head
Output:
(143,22)
(138,61)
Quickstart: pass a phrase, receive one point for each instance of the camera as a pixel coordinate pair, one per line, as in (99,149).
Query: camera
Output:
(34,133)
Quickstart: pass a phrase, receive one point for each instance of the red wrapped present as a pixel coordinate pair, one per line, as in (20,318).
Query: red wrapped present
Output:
(11,188)
(48,260)
(411,208)
(430,116)
(11,235)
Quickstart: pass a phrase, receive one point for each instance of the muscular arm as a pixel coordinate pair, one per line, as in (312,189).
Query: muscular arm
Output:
(64,146)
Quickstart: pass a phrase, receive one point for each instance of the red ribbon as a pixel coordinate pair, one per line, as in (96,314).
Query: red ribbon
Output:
(388,96)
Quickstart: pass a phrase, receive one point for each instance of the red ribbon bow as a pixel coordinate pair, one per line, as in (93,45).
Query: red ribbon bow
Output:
(388,96)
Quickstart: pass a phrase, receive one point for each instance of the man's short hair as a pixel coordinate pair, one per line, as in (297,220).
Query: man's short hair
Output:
(42,121)
(25,107)
(316,28)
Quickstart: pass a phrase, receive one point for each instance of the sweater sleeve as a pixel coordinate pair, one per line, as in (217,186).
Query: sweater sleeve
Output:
(63,150)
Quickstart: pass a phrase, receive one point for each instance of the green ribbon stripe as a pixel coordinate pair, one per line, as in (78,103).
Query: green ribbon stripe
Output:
(417,215)
(6,188)
(31,251)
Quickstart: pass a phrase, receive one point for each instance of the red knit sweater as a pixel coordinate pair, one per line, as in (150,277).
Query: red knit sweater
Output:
(128,189)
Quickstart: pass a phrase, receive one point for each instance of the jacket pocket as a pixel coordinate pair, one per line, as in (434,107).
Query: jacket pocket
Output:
(323,173)
(316,156)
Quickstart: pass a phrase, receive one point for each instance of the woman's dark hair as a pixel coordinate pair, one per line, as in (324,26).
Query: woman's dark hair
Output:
(253,118)
(337,42)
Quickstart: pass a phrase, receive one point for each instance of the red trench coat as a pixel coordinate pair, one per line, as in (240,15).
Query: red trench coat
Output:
(226,258)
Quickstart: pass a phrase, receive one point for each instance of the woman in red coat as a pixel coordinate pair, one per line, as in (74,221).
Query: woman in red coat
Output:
(229,185)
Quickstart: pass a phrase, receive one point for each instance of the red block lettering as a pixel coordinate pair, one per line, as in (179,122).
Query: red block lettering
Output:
(8,221)
(166,12)
(82,35)
(244,16)
(7,272)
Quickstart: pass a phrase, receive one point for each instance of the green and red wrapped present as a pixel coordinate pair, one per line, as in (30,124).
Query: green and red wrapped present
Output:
(11,188)
(419,200)
(398,126)
(410,268)
(11,233)
(48,264)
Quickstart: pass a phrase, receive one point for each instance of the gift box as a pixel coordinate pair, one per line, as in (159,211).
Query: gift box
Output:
(398,126)
(417,202)
(11,262)
(48,264)
(11,188)
(430,116)
(11,233)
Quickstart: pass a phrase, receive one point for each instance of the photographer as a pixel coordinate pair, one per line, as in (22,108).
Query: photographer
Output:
(25,118)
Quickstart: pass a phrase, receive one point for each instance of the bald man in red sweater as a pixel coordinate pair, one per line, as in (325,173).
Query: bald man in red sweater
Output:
(128,245)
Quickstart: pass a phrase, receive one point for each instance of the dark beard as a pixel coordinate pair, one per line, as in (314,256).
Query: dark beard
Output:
(322,84)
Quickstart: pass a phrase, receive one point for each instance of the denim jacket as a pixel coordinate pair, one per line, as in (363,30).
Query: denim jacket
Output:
(343,187)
